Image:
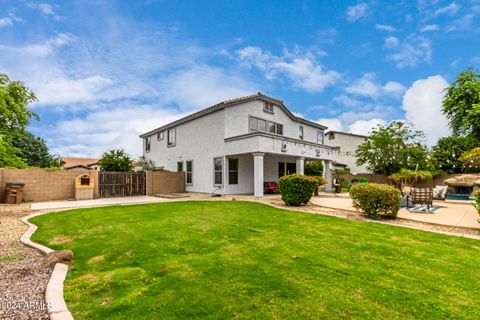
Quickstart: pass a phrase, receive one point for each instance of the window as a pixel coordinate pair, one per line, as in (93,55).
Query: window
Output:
(257,124)
(148,143)
(268,107)
(275,128)
(218,171)
(300,133)
(320,137)
(331,136)
(232,171)
(180,166)
(286,168)
(171,136)
(189,175)
(160,135)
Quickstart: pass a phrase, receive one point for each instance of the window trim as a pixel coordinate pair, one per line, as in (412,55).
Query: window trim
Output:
(265,109)
(168,137)
(148,144)
(215,171)
(301,133)
(323,137)
(186,173)
(230,171)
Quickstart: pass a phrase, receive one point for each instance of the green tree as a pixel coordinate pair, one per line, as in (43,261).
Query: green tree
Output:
(115,160)
(34,150)
(14,100)
(9,155)
(461,103)
(471,159)
(313,168)
(446,153)
(392,147)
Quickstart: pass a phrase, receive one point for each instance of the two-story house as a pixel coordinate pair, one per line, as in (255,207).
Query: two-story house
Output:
(235,146)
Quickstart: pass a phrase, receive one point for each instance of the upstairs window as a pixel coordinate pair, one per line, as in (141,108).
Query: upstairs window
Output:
(300,132)
(180,166)
(148,143)
(257,124)
(171,137)
(160,135)
(268,107)
(320,137)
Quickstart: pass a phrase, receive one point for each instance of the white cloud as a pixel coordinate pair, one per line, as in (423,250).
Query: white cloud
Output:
(429,27)
(204,86)
(464,23)
(46,9)
(302,68)
(101,130)
(42,49)
(451,9)
(422,103)
(364,127)
(347,101)
(368,86)
(411,51)
(391,42)
(6,22)
(332,124)
(357,11)
(385,27)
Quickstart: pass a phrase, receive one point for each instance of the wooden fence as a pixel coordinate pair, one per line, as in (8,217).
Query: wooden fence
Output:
(121,184)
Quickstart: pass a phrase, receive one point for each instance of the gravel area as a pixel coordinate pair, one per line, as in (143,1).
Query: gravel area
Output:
(22,278)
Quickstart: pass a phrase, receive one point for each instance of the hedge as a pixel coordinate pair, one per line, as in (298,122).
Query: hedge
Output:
(376,200)
(297,189)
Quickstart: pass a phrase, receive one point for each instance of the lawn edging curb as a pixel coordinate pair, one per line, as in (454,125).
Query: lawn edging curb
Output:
(56,306)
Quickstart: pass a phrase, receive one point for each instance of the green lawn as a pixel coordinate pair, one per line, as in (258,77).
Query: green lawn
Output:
(221,260)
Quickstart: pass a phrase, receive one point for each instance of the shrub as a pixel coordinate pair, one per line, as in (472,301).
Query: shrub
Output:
(297,189)
(476,204)
(376,200)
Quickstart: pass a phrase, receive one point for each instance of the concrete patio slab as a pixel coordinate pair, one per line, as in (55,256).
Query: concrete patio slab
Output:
(448,214)
(95,202)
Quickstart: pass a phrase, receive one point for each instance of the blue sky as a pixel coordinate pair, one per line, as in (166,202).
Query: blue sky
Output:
(106,71)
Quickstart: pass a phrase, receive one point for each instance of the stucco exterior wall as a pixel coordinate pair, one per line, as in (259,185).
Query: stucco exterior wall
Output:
(347,143)
(237,121)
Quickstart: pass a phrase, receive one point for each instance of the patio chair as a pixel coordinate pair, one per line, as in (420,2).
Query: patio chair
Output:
(270,187)
(422,196)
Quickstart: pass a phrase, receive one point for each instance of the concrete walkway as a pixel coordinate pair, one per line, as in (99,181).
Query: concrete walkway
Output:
(95,202)
(448,214)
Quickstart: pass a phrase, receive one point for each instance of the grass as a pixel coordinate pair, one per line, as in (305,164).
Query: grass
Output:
(221,260)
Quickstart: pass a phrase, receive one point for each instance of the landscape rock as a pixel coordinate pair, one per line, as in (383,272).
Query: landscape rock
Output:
(62,256)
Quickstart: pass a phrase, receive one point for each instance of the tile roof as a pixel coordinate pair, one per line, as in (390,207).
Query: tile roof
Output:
(74,162)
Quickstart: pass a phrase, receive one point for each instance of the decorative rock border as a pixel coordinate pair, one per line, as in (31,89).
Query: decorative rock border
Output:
(56,306)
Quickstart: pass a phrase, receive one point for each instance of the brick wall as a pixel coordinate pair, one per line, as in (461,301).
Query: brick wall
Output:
(164,182)
(44,185)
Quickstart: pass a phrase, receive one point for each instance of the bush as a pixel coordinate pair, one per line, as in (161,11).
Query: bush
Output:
(296,189)
(313,168)
(476,204)
(376,200)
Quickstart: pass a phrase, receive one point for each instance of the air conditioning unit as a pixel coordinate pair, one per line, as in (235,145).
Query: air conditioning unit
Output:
(284,147)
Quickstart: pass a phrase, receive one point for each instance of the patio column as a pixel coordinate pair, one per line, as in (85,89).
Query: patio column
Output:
(327,174)
(300,165)
(258,174)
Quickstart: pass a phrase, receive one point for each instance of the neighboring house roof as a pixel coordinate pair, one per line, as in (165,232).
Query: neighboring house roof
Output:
(232,102)
(80,166)
(346,133)
(76,162)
